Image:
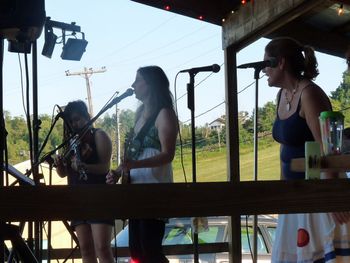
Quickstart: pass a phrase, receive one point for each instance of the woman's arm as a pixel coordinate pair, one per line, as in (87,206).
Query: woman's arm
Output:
(313,102)
(104,151)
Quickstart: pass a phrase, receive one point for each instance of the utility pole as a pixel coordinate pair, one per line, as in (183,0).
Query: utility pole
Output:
(117,137)
(87,73)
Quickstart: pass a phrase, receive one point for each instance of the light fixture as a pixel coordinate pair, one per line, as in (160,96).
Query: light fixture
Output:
(73,48)
(340,10)
(50,42)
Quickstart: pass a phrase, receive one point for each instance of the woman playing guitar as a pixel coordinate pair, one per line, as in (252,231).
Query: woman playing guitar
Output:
(154,149)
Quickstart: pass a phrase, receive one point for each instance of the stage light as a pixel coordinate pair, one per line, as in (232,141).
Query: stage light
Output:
(340,10)
(74,49)
(50,42)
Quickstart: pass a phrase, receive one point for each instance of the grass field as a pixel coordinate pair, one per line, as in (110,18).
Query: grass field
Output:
(211,165)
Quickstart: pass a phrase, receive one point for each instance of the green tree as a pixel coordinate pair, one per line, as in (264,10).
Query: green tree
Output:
(341,97)
(245,127)
(126,120)
(267,115)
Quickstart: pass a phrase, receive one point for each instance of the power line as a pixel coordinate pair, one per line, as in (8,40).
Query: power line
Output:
(139,38)
(245,88)
(206,111)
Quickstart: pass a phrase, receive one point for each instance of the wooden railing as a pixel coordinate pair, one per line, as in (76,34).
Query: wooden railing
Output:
(31,203)
(124,251)
(28,203)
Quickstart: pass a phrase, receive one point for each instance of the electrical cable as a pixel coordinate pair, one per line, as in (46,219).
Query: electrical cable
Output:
(22,87)
(179,131)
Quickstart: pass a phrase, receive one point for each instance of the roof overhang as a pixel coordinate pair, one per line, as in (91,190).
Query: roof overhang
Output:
(312,22)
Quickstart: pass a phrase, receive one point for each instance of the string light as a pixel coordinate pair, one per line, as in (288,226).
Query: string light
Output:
(167,8)
(340,10)
(200,17)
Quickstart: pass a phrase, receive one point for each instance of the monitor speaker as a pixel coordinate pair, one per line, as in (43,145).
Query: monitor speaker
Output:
(21,20)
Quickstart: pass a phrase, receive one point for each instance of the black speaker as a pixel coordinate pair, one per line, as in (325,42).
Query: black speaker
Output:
(21,20)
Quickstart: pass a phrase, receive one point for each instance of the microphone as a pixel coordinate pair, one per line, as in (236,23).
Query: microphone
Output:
(271,62)
(214,68)
(118,99)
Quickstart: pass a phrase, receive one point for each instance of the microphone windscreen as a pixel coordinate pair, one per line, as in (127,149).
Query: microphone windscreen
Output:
(216,68)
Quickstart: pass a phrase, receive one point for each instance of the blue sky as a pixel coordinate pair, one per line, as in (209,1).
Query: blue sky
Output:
(124,35)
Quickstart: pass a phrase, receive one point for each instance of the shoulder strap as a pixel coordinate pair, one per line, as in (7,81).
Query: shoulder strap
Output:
(279,97)
(145,128)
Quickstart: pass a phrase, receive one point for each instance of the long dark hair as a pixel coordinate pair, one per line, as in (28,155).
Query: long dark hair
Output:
(77,106)
(300,65)
(158,84)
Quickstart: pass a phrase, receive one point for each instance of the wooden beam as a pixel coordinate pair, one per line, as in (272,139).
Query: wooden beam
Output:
(263,17)
(332,163)
(63,253)
(326,42)
(346,2)
(25,203)
(232,140)
(209,10)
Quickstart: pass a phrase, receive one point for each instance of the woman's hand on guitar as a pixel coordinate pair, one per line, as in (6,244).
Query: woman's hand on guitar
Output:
(113,176)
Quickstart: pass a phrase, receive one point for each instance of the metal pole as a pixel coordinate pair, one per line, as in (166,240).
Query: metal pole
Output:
(191,106)
(117,135)
(2,141)
(256,139)
(36,127)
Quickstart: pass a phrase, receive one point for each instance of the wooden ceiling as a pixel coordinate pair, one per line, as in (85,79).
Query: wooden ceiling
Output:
(320,27)
(212,11)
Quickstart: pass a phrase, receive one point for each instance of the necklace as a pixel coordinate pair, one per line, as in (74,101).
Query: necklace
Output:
(289,101)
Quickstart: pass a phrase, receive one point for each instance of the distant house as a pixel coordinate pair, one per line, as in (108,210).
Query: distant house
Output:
(217,124)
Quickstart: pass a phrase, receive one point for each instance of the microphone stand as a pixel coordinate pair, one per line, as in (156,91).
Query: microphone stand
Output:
(190,106)
(257,70)
(82,132)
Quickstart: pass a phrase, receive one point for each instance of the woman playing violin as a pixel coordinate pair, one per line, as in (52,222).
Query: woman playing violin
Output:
(87,161)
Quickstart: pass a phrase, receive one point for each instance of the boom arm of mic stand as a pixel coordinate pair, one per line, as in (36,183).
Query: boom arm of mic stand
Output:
(80,134)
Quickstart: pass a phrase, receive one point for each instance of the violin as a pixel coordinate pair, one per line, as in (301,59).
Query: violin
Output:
(79,148)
